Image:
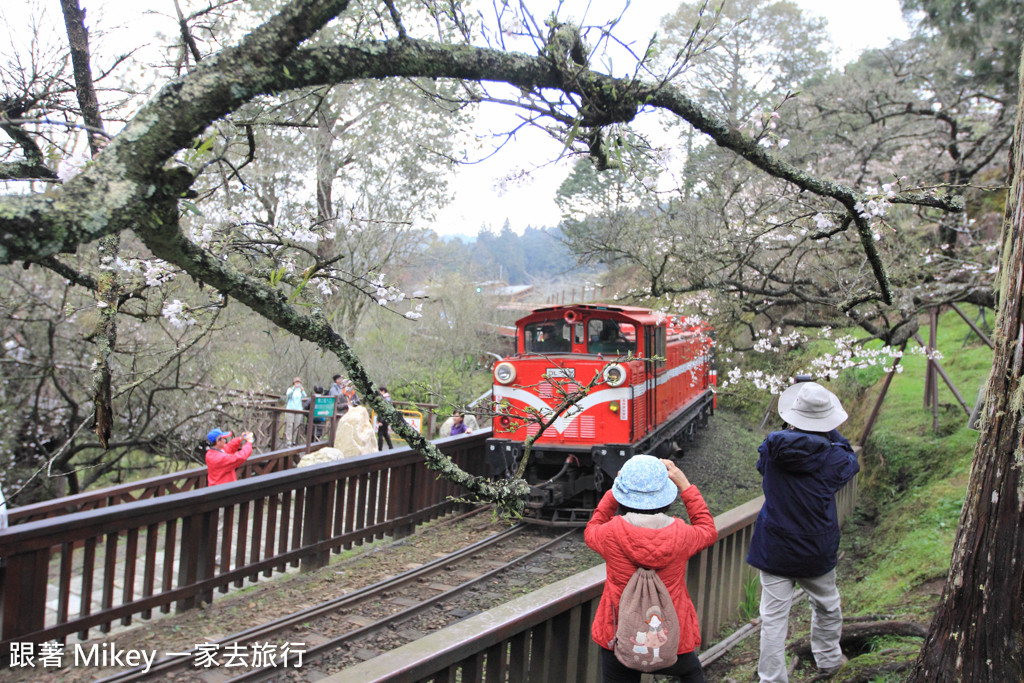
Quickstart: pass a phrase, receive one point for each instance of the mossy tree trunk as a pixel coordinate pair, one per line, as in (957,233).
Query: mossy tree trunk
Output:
(978,632)
(108,289)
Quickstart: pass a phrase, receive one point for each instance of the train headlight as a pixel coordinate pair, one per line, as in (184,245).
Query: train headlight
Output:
(613,406)
(614,375)
(504,373)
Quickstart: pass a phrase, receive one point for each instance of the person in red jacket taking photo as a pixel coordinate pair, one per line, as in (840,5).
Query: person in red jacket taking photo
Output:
(643,535)
(225,455)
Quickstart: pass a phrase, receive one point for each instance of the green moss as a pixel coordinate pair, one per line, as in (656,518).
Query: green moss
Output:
(882,652)
(911,546)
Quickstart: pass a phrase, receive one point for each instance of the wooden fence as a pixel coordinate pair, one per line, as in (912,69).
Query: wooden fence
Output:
(268,426)
(266,419)
(545,636)
(122,561)
(153,487)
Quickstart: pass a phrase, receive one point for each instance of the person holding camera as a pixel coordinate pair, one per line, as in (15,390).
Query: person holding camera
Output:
(631,528)
(796,536)
(225,455)
(295,403)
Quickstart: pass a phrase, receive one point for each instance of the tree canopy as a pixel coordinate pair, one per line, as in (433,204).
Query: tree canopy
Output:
(148,177)
(144,179)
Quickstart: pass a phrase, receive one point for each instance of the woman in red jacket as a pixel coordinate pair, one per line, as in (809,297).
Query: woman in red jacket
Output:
(642,535)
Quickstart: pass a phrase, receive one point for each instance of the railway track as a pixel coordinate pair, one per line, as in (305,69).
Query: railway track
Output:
(332,633)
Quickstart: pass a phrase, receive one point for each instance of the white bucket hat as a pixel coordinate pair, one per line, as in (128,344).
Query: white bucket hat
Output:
(811,407)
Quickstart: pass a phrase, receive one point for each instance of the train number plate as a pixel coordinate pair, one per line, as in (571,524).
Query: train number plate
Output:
(561,373)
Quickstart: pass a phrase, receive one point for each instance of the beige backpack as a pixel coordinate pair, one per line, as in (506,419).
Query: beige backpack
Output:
(647,628)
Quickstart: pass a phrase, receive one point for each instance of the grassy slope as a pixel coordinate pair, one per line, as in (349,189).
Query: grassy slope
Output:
(914,478)
(898,545)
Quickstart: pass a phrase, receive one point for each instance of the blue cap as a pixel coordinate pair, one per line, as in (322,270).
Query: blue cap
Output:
(643,484)
(215,434)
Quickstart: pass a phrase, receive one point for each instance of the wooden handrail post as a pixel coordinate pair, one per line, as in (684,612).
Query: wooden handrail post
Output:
(23,593)
(400,498)
(198,553)
(315,518)
(309,422)
(332,432)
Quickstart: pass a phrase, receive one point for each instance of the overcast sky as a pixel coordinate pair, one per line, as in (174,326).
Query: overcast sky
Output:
(482,198)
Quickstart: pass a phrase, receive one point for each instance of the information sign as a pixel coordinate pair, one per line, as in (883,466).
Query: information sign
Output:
(323,406)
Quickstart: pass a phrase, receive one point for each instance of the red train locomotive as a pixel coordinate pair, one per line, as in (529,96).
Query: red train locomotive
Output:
(647,382)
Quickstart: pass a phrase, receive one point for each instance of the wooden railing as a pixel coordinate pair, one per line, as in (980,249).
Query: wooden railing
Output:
(154,487)
(267,430)
(545,636)
(122,561)
(277,460)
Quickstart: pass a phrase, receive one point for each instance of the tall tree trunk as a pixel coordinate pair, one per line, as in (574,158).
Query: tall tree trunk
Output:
(326,167)
(978,632)
(108,286)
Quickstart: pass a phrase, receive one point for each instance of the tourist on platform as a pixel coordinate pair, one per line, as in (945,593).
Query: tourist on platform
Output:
(382,426)
(225,455)
(643,535)
(459,424)
(337,390)
(350,393)
(796,536)
(294,397)
(318,422)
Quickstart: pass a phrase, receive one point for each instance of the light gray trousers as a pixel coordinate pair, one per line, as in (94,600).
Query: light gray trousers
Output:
(826,622)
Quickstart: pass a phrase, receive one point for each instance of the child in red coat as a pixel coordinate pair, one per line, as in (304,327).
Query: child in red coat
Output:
(642,535)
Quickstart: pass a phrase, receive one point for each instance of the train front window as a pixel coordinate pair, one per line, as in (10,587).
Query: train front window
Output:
(610,337)
(548,336)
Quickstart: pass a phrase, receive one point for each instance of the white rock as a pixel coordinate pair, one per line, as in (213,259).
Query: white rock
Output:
(355,435)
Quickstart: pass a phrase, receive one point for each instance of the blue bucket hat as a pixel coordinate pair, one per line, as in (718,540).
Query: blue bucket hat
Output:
(215,434)
(643,484)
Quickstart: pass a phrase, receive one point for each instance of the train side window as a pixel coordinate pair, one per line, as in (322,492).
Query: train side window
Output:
(656,347)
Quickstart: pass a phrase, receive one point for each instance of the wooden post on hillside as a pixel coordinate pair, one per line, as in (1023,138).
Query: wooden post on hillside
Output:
(931,388)
(878,403)
(935,368)
(939,371)
(310,427)
(974,328)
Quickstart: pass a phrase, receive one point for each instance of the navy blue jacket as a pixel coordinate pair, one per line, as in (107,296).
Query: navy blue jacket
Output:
(797,530)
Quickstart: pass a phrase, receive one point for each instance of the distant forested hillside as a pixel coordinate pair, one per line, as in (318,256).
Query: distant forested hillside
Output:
(536,255)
